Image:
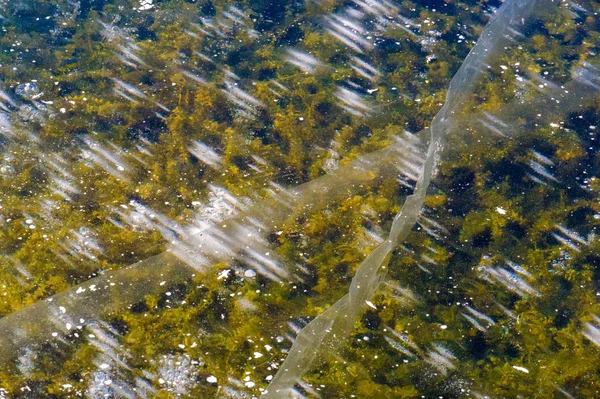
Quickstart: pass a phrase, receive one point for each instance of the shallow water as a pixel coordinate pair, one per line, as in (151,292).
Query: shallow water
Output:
(360,199)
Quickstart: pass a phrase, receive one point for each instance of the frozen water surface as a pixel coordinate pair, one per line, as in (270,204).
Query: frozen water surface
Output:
(299,199)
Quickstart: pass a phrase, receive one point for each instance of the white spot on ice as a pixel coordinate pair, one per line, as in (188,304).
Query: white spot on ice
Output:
(224,274)
(145,5)
(212,379)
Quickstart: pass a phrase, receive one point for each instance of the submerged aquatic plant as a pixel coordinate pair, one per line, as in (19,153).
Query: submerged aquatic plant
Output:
(339,319)
(251,159)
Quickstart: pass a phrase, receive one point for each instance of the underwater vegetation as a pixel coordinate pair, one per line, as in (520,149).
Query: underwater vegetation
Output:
(299,199)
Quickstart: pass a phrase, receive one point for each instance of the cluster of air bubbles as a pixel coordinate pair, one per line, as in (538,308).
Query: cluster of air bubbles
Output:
(514,278)
(6,170)
(479,320)
(145,5)
(82,244)
(140,217)
(28,91)
(570,238)
(26,363)
(100,386)
(306,62)
(246,104)
(406,297)
(441,358)
(560,264)
(177,373)
(221,205)
(592,330)
(112,33)
(402,343)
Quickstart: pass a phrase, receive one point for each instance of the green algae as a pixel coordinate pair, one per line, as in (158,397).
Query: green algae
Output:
(546,338)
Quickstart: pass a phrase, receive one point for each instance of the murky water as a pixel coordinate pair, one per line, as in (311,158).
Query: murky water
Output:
(299,199)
